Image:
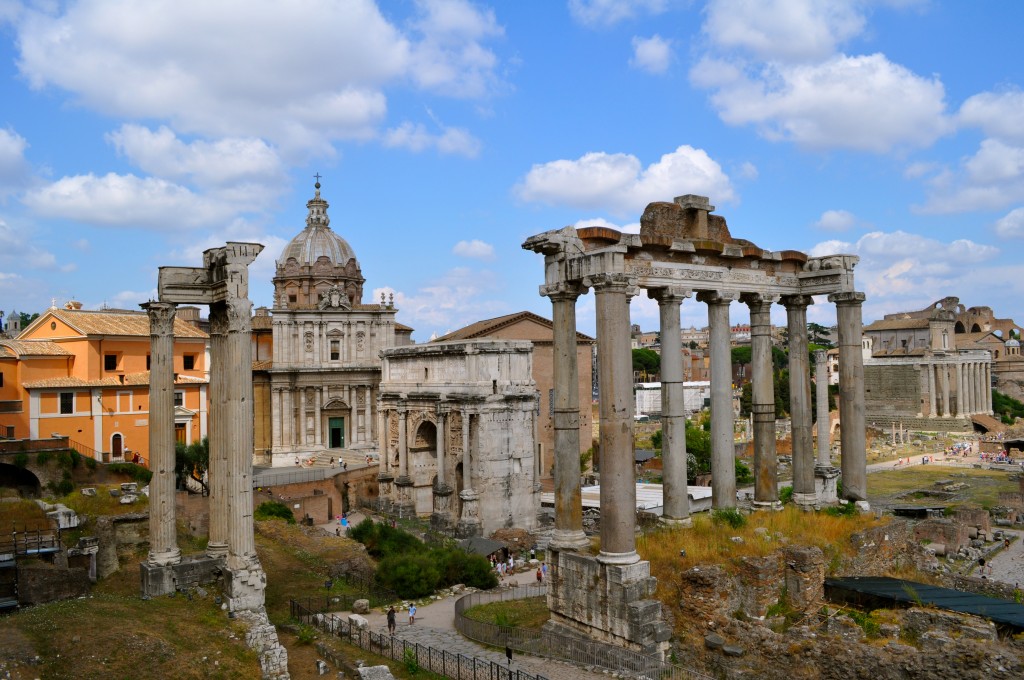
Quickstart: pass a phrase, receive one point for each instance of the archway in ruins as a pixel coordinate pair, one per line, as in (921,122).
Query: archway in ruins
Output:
(23,481)
(423,465)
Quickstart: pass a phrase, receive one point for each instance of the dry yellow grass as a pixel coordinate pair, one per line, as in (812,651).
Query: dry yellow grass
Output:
(709,542)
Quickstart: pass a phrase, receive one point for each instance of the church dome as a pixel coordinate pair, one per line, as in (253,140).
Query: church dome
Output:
(1013,343)
(317,239)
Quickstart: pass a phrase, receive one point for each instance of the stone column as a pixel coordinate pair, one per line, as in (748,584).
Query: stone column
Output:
(303,427)
(944,386)
(972,387)
(403,445)
(469,520)
(217,546)
(467,482)
(239,433)
(440,518)
(318,440)
(353,425)
(289,419)
(932,400)
(676,505)
(275,413)
(568,533)
(762,406)
(163,532)
(442,439)
(988,389)
(961,392)
(615,375)
(723,455)
(851,394)
(821,399)
(800,399)
(382,442)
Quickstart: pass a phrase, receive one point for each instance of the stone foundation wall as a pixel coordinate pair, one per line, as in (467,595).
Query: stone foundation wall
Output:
(117,534)
(40,582)
(974,517)
(949,533)
(886,421)
(883,548)
(892,390)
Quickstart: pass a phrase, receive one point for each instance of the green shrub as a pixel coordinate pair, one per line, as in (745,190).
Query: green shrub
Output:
(91,463)
(786,494)
(458,566)
(136,472)
(43,457)
(381,540)
(410,575)
(731,516)
(274,510)
(20,460)
(841,510)
(743,473)
(63,487)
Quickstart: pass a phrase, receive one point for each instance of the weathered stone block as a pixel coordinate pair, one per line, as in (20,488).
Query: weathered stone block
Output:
(361,607)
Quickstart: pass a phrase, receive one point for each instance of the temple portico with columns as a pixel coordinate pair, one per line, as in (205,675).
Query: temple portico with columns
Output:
(682,251)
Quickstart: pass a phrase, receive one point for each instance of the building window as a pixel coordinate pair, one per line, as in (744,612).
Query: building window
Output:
(147,361)
(1,379)
(67,402)
(10,431)
(179,399)
(190,362)
(293,298)
(109,362)
(335,350)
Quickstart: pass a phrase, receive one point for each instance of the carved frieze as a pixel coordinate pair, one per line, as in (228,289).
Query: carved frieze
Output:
(307,341)
(455,432)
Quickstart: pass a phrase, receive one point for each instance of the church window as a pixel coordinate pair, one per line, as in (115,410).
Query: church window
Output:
(293,298)
(67,402)
(335,350)
(945,340)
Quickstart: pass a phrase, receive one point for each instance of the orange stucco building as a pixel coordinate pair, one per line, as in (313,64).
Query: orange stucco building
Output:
(85,375)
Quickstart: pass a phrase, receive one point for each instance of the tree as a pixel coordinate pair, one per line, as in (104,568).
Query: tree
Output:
(742,355)
(192,460)
(819,335)
(646,361)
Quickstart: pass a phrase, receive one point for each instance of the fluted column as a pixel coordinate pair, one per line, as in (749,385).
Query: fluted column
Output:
(851,394)
(800,399)
(163,537)
(960,390)
(568,533)
(442,440)
(676,504)
(988,389)
(289,418)
(403,445)
(239,433)
(318,426)
(944,387)
(303,428)
(762,403)
(821,398)
(615,374)
(275,413)
(217,546)
(933,406)
(723,456)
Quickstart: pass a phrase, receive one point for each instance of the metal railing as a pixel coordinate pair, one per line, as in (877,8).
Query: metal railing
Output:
(576,650)
(277,476)
(439,661)
(31,542)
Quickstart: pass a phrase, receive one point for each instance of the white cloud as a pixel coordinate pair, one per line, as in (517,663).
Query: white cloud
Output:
(459,297)
(996,113)
(322,70)
(14,169)
(991,179)
(783,29)
(595,13)
(127,201)
(836,220)
(618,183)
(1011,225)
(748,170)
(475,249)
(866,103)
(631,228)
(652,54)
(18,250)
(218,163)
(899,271)
(415,137)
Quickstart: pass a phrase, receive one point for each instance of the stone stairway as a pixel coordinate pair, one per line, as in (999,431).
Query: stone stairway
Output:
(353,458)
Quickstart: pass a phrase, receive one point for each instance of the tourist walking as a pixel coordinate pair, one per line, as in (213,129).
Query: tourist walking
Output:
(391,619)
(412,614)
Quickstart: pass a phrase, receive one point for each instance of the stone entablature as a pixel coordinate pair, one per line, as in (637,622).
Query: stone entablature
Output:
(459,446)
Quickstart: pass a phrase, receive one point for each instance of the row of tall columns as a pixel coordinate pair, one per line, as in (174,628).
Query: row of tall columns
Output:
(800,399)
(283,408)
(971,384)
(163,540)
(676,501)
(723,467)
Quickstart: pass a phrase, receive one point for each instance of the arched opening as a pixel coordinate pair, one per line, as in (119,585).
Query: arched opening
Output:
(959,327)
(975,328)
(21,480)
(117,445)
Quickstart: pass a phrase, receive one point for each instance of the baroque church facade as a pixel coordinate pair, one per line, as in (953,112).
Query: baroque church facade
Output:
(321,382)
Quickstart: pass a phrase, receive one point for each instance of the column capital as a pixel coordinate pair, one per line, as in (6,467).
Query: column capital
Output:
(788,301)
(161,317)
(563,291)
(715,297)
(849,298)
(669,295)
(239,313)
(758,301)
(609,282)
(820,356)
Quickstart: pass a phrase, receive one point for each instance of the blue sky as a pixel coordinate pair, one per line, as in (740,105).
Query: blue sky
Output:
(134,135)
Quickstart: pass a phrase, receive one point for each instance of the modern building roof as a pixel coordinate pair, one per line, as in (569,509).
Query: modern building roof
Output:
(897,324)
(487,327)
(111,322)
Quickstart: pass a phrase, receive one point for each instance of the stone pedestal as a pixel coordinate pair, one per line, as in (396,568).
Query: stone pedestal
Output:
(612,603)
(441,517)
(469,523)
(826,484)
(191,571)
(244,587)
(405,506)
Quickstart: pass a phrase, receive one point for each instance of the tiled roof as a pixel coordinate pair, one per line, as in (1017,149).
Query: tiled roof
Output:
(968,338)
(32,348)
(896,324)
(121,322)
(482,329)
(130,380)
(262,365)
(403,327)
(260,323)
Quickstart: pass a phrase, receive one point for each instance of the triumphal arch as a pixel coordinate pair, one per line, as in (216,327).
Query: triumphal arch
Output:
(682,251)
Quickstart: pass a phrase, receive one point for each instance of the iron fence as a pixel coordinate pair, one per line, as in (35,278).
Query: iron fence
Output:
(447,664)
(576,650)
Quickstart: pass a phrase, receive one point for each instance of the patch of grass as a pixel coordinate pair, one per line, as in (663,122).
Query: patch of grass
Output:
(103,503)
(984,486)
(730,516)
(23,515)
(530,613)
